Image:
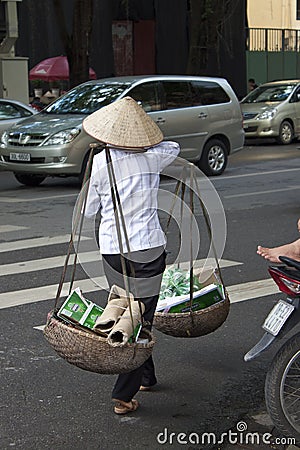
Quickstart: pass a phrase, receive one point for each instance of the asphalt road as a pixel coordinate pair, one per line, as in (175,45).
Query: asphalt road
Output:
(204,384)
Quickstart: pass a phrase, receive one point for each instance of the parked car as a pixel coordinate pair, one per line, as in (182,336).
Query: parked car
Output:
(202,114)
(12,111)
(272,110)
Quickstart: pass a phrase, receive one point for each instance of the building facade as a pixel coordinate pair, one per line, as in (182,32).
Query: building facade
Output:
(137,37)
(283,14)
(273,40)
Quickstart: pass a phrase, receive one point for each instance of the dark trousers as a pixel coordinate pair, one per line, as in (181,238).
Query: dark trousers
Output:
(148,266)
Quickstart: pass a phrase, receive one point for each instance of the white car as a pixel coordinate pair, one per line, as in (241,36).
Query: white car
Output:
(272,110)
(202,114)
(12,111)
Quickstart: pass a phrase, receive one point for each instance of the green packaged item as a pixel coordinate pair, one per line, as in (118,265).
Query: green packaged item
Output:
(74,306)
(202,298)
(88,320)
(176,282)
(78,309)
(212,296)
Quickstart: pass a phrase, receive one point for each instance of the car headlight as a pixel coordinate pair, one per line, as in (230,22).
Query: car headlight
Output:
(62,137)
(4,138)
(268,114)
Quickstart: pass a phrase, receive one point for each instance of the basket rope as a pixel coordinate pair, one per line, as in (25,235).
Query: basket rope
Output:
(79,346)
(180,189)
(78,221)
(191,234)
(201,322)
(118,211)
(209,230)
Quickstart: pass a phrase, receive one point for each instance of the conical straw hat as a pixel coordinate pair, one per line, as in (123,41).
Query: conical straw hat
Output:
(124,124)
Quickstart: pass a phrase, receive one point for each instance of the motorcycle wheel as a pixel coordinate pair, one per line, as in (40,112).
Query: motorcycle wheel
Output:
(282,389)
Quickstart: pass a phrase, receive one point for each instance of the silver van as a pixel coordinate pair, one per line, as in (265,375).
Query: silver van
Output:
(202,114)
(272,110)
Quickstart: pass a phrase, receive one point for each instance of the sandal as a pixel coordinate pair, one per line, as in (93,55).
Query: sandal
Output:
(145,388)
(122,407)
(149,387)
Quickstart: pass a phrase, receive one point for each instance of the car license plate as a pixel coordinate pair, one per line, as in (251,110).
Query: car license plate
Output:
(19,156)
(277,317)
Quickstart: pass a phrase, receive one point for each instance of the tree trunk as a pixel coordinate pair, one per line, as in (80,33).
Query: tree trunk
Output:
(82,27)
(198,40)
(76,43)
(207,17)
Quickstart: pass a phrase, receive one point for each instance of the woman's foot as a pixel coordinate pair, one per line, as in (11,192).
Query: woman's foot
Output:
(291,250)
(122,407)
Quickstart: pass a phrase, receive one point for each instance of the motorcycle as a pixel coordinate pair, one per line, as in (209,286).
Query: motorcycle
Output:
(282,384)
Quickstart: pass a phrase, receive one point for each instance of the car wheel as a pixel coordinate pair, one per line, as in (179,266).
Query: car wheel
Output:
(29,179)
(286,133)
(214,158)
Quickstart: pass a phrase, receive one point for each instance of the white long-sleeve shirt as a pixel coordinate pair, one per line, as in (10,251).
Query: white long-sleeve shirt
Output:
(137,175)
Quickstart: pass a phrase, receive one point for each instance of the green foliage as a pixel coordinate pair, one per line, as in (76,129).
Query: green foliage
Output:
(207,9)
(55,84)
(38,83)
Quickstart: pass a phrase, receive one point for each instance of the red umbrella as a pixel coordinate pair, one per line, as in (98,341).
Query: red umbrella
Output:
(52,69)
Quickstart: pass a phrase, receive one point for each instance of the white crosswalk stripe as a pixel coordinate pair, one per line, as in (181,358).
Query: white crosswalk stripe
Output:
(84,257)
(33,199)
(38,294)
(34,243)
(237,293)
(39,327)
(24,296)
(46,263)
(10,228)
(253,289)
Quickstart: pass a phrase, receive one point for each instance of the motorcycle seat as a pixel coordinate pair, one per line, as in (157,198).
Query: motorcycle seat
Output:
(290,262)
(289,272)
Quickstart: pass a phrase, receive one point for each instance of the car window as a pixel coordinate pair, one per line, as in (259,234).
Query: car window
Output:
(147,95)
(296,95)
(176,94)
(269,93)
(24,112)
(86,98)
(8,111)
(208,93)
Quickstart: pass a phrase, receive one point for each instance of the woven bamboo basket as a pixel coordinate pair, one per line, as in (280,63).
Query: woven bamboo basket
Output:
(193,324)
(92,352)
